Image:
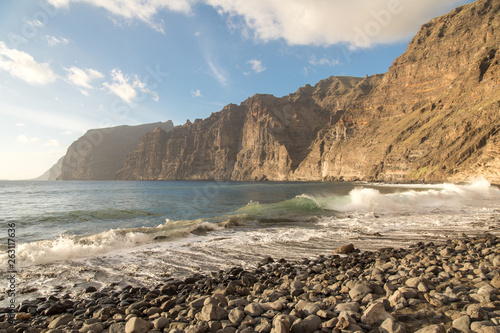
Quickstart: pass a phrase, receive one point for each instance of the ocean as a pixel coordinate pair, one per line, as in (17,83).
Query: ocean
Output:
(70,235)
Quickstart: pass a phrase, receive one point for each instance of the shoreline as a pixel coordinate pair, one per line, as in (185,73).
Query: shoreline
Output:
(450,287)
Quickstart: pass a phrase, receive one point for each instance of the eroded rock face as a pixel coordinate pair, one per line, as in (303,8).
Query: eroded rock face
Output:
(100,153)
(264,138)
(433,116)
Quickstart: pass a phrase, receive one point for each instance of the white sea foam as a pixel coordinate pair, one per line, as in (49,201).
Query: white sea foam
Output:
(445,197)
(64,247)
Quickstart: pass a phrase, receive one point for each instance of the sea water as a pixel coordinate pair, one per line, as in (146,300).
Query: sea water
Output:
(72,234)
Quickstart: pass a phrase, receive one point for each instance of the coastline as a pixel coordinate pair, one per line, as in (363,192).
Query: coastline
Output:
(432,287)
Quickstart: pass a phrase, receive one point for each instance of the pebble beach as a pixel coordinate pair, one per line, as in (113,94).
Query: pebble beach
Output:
(427,287)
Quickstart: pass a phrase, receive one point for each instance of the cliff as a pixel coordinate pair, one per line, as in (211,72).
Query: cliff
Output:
(53,172)
(433,116)
(264,138)
(100,153)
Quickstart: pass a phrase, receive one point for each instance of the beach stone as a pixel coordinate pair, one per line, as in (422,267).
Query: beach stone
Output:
(409,292)
(264,327)
(311,323)
(214,326)
(102,314)
(236,316)
(375,313)
(298,327)
(94,328)
(462,324)
(57,308)
(212,312)
(397,297)
(22,316)
(282,324)
(137,325)
(489,290)
(253,309)
(343,323)
(274,306)
(61,320)
(247,330)
(350,306)
(227,329)
(432,329)
(168,305)
(160,323)
(139,305)
(90,289)
(178,326)
(346,249)
(485,326)
(496,282)
(248,321)
(294,285)
(330,323)
(476,312)
(360,291)
(152,311)
(326,314)
(234,303)
(198,303)
(311,309)
(390,325)
(117,328)
(199,327)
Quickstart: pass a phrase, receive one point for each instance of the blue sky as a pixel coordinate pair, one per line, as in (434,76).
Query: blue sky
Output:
(70,65)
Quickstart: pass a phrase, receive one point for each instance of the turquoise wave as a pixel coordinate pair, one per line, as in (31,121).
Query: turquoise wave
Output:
(300,205)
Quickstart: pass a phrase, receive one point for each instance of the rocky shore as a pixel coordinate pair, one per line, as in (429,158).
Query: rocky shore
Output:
(450,287)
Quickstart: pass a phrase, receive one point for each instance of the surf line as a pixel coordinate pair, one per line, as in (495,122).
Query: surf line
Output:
(11,270)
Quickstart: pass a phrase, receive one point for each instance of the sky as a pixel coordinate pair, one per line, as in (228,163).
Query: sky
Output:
(67,66)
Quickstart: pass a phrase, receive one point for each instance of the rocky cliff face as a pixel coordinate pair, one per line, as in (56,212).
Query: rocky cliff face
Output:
(264,138)
(433,116)
(100,153)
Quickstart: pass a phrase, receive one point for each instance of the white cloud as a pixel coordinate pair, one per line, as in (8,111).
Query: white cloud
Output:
(53,41)
(256,65)
(217,73)
(82,78)
(196,93)
(126,88)
(135,9)
(23,66)
(52,143)
(66,133)
(323,61)
(361,23)
(20,124)
(25,140)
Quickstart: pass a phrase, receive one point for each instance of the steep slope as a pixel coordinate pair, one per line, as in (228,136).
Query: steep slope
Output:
(433,116)
(264,138)
(53,172)
(100,153)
